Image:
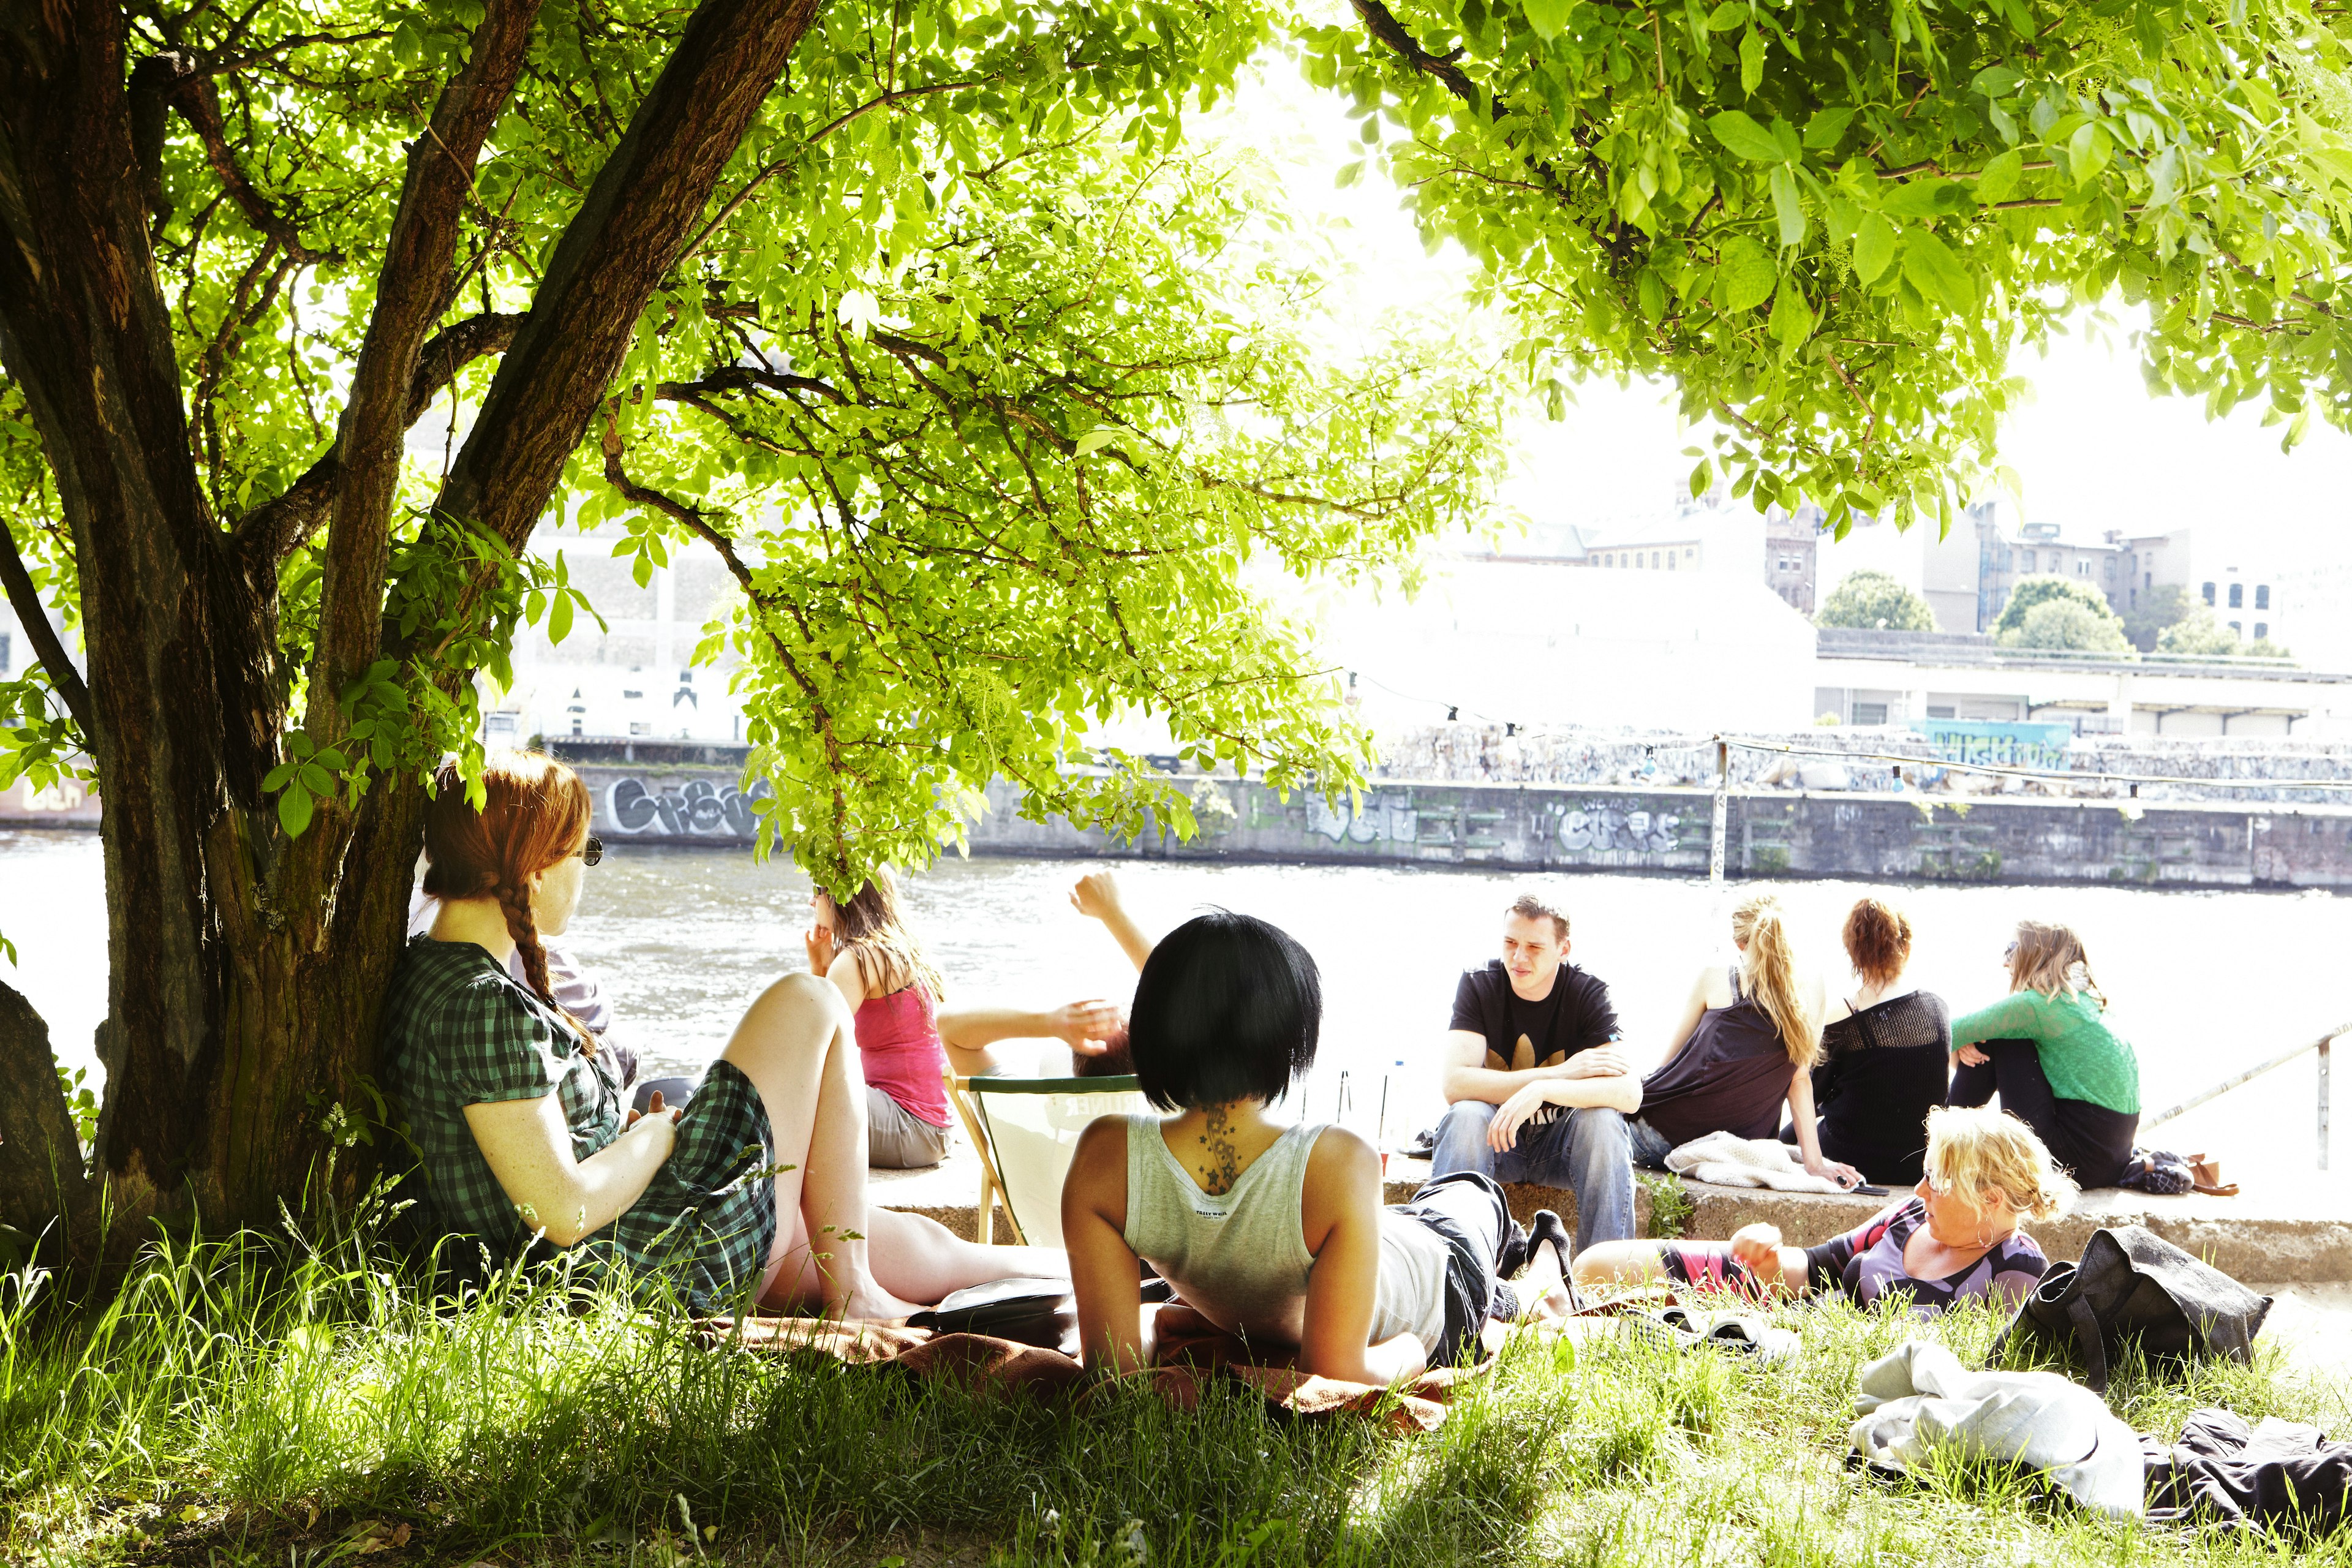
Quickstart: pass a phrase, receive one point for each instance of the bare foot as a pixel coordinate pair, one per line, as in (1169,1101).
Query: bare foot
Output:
(871,1304)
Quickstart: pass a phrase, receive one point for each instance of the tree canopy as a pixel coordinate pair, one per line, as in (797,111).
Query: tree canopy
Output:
(984,387)
(2068,624)
(1830,224)
(1874,602)
(2030,593)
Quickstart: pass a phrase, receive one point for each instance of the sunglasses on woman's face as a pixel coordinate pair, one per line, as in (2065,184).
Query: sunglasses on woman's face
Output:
(2006,954)
(592,851)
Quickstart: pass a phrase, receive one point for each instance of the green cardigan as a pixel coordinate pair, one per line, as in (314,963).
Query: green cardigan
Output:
(2083,1058)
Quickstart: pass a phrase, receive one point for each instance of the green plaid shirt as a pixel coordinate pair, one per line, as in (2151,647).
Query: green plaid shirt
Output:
(459,1031)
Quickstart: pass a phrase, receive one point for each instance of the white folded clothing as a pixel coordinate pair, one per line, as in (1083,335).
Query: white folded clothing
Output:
(1919,1401)
(1729,1161)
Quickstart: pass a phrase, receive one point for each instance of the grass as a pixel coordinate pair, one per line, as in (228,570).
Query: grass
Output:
(264,1400)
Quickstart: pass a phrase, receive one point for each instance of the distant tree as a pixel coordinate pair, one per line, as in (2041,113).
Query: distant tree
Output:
(2197,631)
(2059,623)
(2031,592)
(1875,601)
(2163,608)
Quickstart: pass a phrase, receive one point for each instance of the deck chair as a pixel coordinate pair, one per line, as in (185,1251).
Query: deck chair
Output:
(1024,1130)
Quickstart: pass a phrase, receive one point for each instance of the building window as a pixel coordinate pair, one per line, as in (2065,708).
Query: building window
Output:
(2208,593)
(4,653)
(2028,560)
(1673,561)
(1653,559)
(2237,596)
(1870,712)
(1942,712)
(2262,597)
(639,726)
(2147,580)
(1690,552)
(630,696)
(2261,628)
(2238,629)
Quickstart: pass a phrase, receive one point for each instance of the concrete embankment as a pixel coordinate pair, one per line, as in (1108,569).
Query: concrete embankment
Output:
(1568,828)
(2299,1235)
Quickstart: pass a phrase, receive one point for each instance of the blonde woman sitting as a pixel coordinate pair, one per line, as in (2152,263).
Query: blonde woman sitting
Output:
(1956,1239)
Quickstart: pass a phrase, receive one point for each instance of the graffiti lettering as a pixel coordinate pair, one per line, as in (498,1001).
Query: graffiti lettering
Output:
(697,809)
(1388,815)
(1614,828)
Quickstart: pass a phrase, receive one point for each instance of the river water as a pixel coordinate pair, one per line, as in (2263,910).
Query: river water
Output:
(2203,983)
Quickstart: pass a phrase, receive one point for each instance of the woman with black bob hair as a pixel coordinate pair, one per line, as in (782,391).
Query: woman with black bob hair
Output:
(1276,1232)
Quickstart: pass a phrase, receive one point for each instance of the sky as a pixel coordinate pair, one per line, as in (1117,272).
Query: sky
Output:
(2094,449)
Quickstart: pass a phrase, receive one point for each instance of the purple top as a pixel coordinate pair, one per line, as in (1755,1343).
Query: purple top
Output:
(1867,1262)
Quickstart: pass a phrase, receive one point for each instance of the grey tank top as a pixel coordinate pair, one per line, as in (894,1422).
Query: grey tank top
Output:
(1241,1256)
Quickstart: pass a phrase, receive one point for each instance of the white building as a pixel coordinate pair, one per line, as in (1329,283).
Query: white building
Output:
(1531,644)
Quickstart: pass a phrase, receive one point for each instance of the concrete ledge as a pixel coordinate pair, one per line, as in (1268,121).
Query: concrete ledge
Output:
(2300,1234)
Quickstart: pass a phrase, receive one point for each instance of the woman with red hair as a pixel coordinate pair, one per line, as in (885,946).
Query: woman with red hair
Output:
(756,1189)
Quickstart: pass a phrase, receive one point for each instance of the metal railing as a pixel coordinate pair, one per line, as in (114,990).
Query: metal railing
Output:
(2321,1046)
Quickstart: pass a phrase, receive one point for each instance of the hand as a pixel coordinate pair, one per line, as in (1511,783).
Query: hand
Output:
(1758,1246)
(658,1122)
(1972,1057)
(818,940)
(1601,1061)
(1503,1132)
(1837,1171)
(1096,896)
(1086,1027)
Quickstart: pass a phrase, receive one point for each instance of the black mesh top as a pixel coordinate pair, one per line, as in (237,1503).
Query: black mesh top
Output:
(1880,1071)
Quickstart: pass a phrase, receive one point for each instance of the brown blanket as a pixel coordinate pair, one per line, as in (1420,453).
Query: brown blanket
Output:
(1192,1351)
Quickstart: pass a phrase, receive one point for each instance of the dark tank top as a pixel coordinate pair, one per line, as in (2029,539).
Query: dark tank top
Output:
(1731,1075)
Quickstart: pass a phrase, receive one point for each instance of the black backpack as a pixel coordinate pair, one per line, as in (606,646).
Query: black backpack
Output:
(2133,1285)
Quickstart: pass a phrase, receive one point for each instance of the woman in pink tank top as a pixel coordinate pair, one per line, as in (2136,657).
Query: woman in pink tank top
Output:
(865,948)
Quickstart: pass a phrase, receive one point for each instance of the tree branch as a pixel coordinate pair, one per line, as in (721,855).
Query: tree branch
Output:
(175,77)
(1383,24)
(742,378)
(26,600)
(413,291)
(278,527)
(627,234)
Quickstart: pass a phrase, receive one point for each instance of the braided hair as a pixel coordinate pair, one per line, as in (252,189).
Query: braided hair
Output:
(534,810)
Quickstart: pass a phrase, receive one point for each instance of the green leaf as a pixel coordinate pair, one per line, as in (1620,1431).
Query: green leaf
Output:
(1729,15)
(1932,268)
(1873,248)
(1790,212)
(2088,151)
(1997,81)
(1746,274)
(1751,62)
(1791,321)
(1825,129)
(1653,290)
(1548,16)
(2000,176)
(559,618)
(1915,198)
(1096,441)
(1745,138)
(294,808)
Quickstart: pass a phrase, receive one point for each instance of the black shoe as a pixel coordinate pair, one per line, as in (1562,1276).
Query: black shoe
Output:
(1549,1228)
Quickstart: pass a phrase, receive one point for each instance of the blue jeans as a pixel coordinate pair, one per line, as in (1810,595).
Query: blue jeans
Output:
(1589,1151)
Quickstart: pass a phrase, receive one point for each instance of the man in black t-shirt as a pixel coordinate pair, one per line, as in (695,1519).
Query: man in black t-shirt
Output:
(1538,1090)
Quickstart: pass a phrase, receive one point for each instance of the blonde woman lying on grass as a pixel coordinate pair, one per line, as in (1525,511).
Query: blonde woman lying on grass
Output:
(1955,1238)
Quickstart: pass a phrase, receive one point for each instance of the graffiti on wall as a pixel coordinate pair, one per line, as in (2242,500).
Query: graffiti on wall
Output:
(1384,816)
(696,809)
(1625,827)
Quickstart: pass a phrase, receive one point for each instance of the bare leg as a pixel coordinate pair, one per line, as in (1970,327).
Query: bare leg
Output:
(1621,1263)
(796,1046)
(923,1260)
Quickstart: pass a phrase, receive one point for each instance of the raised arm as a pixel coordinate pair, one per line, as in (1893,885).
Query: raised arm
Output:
(1339,1213)
(968,1032)
(1097,897)
(1104,1274)
(529,1148)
